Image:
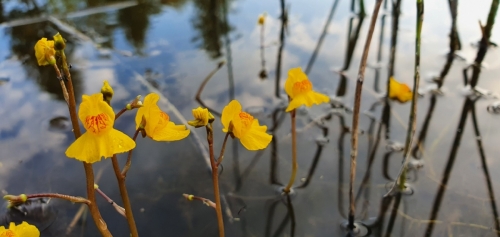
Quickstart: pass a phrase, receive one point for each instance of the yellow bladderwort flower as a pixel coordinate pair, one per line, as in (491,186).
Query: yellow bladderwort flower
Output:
(158,125)
(22,230)
(300,90)
(45,52)
(201,117)
(107,92)
(399,91)
(245,127)
(100,139)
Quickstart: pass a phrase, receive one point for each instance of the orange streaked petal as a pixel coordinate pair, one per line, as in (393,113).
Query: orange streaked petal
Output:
(294,75)
(94,105)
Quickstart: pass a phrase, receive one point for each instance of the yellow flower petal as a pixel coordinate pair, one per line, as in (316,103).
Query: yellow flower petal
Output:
(22,230)
(150,111)
(201,117)
(308,99)
(256,137)
(96,115)
(228,113)
(45,52)
(91,148)
(294,75)
(242,123)
(171,132)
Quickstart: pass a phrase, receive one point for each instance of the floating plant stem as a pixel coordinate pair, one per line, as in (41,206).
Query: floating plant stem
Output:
(205,201)
(215,179)
(412,123)
(355,117)
(117,207)
(89,171)
(294,154)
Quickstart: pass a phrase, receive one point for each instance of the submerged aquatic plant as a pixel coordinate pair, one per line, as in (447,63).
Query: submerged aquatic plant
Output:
(157,123)
(100,139)
(22,230)
(245,127)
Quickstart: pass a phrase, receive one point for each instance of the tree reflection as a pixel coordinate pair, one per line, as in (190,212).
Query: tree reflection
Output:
(210,24)
(135,22)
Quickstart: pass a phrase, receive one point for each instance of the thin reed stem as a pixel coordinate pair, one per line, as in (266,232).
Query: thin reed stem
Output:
(215,179)
(117,207)
(355,117)
(205,201)
(294,154)
(124,194)
(412,123)
(89,171)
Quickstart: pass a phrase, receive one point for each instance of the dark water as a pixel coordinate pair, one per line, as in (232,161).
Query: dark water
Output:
(169,47)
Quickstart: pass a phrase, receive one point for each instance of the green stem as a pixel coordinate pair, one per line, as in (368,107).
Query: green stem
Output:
(215,179)
(126,201)
(294,155)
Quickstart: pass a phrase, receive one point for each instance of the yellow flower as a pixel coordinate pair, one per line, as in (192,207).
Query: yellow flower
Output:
(262,19)
(201,117)
(245,127)
(45,52)
(299,88)
(100,139)
(158,126)
(22,230)
(399,91)
(59,42)
(107,92)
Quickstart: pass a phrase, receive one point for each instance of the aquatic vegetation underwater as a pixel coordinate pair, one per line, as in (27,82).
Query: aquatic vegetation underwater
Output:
(237,125)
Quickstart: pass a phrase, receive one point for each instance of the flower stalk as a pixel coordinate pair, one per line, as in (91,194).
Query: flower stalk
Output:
(294,154)
(89,171)
(124,194)
(215,178)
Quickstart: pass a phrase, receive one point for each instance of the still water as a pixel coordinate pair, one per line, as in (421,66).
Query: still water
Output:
(170,46)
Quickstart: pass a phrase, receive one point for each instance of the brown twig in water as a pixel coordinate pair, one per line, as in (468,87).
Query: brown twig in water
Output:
(202,86)
(356,110)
